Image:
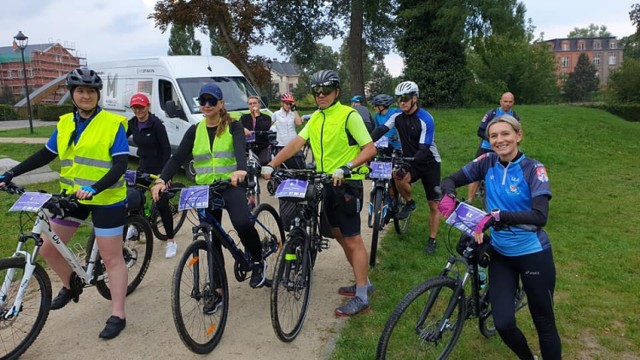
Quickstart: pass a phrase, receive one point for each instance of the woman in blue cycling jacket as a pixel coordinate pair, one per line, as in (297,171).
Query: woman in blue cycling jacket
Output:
(517,193)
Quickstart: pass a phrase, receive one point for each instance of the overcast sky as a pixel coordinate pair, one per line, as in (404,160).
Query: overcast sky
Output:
(117,29)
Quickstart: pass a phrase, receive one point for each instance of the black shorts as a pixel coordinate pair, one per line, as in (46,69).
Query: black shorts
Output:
(342,205)
(482,151)
(430,176)
(103,217)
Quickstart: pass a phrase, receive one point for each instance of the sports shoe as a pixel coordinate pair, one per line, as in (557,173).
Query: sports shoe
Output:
(258,275)
(213,306)
(62,299)
(351,290)
(132,233)
(113,328)
(354,306)
(431,246)
(171,250)
(407,209)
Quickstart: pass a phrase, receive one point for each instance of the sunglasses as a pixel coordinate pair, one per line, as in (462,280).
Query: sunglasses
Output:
(324,90)
(208,101)
(404,98)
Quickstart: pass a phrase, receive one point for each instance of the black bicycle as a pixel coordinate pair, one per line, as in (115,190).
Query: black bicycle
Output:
(429,319)
(385,201)
(200,292)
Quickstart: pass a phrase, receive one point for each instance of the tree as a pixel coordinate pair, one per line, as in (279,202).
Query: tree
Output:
(182,41)
(6,95)
(624,82)
(582,80)
(381,80)
(589,32)
(324,58)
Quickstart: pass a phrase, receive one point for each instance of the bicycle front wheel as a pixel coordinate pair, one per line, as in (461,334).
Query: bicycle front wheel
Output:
(401,225)
(136,250)
(271,233)
(419,327)
(291,288)
(377,224)
(178,216)
(200,297)
(19,330)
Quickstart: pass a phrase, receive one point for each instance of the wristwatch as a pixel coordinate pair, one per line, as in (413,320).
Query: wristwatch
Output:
(496,214)
(350,165)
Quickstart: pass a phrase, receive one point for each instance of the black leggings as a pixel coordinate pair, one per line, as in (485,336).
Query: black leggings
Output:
(236,204)
(538,275)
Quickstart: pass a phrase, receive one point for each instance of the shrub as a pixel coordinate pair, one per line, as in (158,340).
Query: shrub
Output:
(8,112)
(629,112)
(46,112)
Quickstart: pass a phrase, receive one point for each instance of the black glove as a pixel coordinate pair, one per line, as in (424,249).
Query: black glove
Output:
(6,177)
(293,107)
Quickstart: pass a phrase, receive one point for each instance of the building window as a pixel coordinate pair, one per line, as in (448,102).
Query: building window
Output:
(564,61)
(597,45)
(581,45)
(596,59)
(58,58)
(565,46)
(612,59)
(9,74)
(612,44)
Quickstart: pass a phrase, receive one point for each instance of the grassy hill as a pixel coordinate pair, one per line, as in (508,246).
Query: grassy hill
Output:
(592,159)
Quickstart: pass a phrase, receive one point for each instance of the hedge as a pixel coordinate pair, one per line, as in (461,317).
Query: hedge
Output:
(629,112)
(8,112)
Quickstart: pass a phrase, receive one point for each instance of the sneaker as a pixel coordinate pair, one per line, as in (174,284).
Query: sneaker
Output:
(62,299)
(132,233)
(431,246)
(258,276)
(354,306)
(212,307)
(113,328)
(170,250)
(407,209)
(351,290)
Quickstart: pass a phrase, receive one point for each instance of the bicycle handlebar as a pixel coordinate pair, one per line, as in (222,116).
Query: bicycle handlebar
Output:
(58,205)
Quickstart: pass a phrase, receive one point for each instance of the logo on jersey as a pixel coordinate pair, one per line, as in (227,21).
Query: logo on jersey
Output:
(485,118)
(541,174)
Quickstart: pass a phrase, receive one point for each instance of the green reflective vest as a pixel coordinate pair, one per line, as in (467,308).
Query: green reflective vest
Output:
(213,164)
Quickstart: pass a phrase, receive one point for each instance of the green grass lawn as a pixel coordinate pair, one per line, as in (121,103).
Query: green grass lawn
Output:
(591,157)
(38,131)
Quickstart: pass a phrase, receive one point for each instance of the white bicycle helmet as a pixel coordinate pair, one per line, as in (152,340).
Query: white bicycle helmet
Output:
(407,87)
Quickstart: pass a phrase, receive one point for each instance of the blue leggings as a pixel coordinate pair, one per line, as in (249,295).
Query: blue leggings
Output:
(538,274)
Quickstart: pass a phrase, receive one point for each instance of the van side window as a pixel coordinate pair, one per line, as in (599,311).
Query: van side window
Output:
(167,93)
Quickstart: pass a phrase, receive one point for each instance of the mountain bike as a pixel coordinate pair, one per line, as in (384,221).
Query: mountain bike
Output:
(25,293)
(385,201)
(137,183)
(200,292)
(429,319)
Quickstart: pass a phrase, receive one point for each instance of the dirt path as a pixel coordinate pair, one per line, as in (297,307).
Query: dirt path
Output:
(72,333)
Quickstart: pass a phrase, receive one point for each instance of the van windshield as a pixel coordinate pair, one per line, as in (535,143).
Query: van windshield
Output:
(235,90)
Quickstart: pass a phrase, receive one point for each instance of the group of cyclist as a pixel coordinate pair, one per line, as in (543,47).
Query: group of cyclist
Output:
(93,150)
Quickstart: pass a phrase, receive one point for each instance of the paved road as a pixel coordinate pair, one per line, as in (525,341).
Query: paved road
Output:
(19,124)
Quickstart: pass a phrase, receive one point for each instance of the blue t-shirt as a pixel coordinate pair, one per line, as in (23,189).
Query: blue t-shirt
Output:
(511,188)
(393,133)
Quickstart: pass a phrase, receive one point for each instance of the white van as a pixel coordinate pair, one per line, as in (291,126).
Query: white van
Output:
(172,84)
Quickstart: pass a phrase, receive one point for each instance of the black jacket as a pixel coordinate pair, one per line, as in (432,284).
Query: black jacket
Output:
(153,145)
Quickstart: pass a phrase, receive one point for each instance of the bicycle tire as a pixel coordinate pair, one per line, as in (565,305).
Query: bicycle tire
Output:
(199,331)
(401,225)
(291,288)
(407,336)
(19,332)
(377,225)
(178,216)
(137,254)
(271,234)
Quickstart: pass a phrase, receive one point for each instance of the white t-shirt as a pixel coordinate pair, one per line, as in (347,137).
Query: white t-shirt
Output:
(285,124)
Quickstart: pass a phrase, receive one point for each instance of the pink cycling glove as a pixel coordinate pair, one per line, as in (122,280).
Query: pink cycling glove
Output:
(447,205)
(485,223)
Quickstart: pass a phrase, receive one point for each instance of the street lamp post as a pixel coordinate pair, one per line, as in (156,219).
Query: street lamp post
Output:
(22,41)
(269,65)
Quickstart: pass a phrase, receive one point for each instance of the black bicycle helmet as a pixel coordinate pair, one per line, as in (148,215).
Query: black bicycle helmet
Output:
(382,99)
(84,77)
(325,78)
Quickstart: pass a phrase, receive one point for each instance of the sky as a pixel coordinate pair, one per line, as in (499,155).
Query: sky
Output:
(118,29)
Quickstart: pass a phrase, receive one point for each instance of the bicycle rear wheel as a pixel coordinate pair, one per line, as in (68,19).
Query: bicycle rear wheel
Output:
(19,331)
(291,288)
(137,252)
(271,233)
(178,216)
(200,297)
(418,327)
(377,224)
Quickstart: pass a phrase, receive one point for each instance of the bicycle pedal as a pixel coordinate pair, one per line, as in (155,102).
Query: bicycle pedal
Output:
(323,244)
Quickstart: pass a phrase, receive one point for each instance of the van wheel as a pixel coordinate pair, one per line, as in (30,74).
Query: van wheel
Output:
(190,170)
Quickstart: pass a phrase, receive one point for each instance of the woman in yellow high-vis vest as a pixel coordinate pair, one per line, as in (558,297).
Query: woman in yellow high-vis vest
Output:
(217,145)
(92,146)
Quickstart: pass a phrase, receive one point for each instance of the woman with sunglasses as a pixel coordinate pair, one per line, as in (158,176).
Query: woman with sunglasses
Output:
(285,120)
(218,145)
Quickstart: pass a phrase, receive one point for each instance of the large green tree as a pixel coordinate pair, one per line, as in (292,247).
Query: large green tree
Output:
(582,81)
(182,41)
(381,80)
(624,82)
(591,31)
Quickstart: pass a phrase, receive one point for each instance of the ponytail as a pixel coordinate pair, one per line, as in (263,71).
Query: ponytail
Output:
(225,120)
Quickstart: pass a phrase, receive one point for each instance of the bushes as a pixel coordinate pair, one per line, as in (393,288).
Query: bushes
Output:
(629,112)
(46,112)
(8,112)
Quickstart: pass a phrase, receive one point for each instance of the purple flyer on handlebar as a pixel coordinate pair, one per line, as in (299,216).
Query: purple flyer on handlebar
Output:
(294,188)
(130,177)
(251,138)
(466,217)
(194,197)
(383,142)
(30,201)
(380,170)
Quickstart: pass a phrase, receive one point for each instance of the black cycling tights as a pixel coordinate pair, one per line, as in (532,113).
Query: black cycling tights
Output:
(538,275)
(236,204)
